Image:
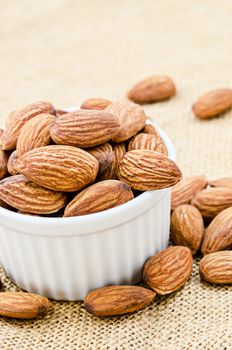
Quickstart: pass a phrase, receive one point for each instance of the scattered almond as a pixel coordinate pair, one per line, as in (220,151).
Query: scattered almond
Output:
(217,267)
(95,103)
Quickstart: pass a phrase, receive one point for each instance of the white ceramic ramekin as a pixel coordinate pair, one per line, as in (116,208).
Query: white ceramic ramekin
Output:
(65,258)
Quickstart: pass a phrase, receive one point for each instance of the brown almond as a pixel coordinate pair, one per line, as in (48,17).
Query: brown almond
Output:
(150,129)
(216,267)
(152,89)
(25,195)
(131,118)
(119,150)
(95,103)
(3,163)
(12,162)
(168,270)
(186,189)
(212,201)
(147,141)
(106,160)
(213,103)
(59,168)
(148,170)
(10,135)
(35,133)
(117,300)
(218,235)
(23,305)
(101,196)
(187,227)
(223,182)
(84,128)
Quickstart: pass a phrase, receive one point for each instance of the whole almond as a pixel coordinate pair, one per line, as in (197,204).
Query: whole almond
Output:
(84,128)
(148,170)
(3,163)
(106,160)
(12,162)
(168,270)
(23,305)
(59,168)
(117,300)
(147,141)
(152,89)
(150,129)
(101,196)
(131,118)
(216,267)
(212,201)
(187,227)
(25,195)
(186,189)
(213,103)
(95,103)
(10,135)
(218,235)
(35,133)
(223,182)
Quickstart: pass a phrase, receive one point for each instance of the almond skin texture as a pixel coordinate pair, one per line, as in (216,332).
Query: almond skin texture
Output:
(59,168)
(217,267)
(218,235)
(224,182)
(23,305)
(150,129)
(84,128)
(187,227)
(213,103)
(95,103)
(117,300)
(98,197)
(10,135)
(131,118)
(25,195)
(35,133)
(119,152)
(152,89)
(12,162)
(212,201)
(106,160)
(186,189)
(3,163)
(148,170)
(168,270)
(147,141)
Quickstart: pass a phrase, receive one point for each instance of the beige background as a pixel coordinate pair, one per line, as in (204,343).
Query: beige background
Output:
(66,51)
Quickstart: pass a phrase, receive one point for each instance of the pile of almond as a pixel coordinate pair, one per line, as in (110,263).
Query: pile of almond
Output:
(80,162)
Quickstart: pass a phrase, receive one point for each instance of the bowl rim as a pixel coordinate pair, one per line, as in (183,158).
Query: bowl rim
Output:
(91,223)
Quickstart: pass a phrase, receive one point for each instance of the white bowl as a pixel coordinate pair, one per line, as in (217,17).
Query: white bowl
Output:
(65,258)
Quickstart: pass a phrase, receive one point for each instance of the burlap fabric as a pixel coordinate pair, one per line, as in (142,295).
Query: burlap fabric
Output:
(65,51)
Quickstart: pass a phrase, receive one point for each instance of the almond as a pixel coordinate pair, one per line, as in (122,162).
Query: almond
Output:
(212,201)
(117,300)
(98,197)
(95,103)
(187,227)
(152,89)
(147,141)
(213,103)
(12,162)
(150,129)
(224,182)
(84,128)
(23,305)
(186,189)
(218,235)
(217,267)
(168,270)
(25,195)
(59,168)
(131,118)
(106,160)
(119,152)
(3,163)
(35,133)
(10,135)
(148,170)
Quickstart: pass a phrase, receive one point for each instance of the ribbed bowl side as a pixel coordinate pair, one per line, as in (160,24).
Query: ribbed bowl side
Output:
(67,268)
